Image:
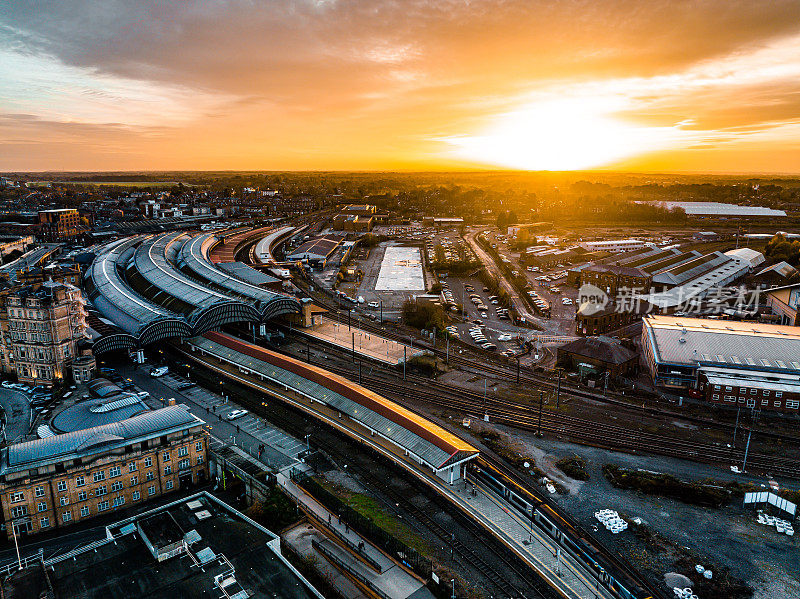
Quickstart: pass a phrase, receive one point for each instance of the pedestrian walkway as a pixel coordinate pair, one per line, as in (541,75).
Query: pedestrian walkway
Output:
(535,547)
(375,568)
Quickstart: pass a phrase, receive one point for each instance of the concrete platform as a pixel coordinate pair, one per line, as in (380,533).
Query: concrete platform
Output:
(393,580)
(366,344)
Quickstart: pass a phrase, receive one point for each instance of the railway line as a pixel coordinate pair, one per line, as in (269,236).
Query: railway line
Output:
(591,432)
(596,433)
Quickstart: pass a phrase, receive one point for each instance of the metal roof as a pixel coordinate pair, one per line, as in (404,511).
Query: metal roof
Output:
(263,251)
(152,262)
(114,298)
(743,378)
(193,255)
(247,273)
(693,341)
(432,455)
(720,209)
(41,452)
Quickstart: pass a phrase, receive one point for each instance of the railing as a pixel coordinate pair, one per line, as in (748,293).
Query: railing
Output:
(370,561)
(25,562)
(339,563)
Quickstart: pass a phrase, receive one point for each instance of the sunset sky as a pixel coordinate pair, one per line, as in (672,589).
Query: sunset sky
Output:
(704,86)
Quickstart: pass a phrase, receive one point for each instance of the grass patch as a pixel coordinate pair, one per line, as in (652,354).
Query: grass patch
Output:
(574,467)
(370,508)
(666,485)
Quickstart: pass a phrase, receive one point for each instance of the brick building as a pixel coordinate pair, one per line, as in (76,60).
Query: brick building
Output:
(54,482)
(42,325)
(59,224)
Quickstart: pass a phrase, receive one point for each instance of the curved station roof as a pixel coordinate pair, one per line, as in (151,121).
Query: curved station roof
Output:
(165,286)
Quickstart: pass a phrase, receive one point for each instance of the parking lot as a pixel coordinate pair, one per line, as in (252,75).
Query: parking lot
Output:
(481,311)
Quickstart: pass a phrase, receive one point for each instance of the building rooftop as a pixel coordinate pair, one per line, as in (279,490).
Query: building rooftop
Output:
(220,548)
(600,348)
(80,443)
(746,345)
(720,209)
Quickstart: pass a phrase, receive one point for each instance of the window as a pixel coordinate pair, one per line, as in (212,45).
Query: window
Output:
(715,396)
(82,496)
(98,476)
(730,398)
(64,500)
(100,491)
(199,460)
(198,446)
(17,496)
(151,490)
(102,506)
(19,511)
(80,481)
(168,484)
(792,403)
(117,486)
(148,461)
(44,522)
(753,391)
(779,394)
(41,506)
(741,400)
(132,467)
(764,402)
(62,485)
(728,388)
(765,392)
(777,404)
(84,511)
(149,475)
(183,464)
(182,451)
(39,491)
(114,471)
(135,495)
(167,470)
(134,481)
(166,456)
(118,501)
(66,516)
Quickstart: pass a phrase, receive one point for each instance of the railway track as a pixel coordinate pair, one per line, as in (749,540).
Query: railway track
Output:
(488,365)
(535,588)
(592,432)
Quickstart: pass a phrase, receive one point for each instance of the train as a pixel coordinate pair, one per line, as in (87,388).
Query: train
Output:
(570,539)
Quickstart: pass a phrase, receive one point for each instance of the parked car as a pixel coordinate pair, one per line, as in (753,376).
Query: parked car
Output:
(160,371)
(236,414)
(143,394)
(186,386)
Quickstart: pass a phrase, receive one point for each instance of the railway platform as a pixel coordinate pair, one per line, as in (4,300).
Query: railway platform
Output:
(364,343)
(392,580)
(559,569)
(527,541)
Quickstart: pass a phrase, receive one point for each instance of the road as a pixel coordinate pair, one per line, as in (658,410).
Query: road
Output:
(17,409)
(519,304)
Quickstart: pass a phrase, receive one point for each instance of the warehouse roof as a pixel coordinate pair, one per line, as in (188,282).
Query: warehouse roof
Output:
(720,209)
(747,345)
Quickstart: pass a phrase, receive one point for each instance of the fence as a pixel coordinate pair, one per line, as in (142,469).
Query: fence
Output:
(339,563)
(372,563)
(363,525)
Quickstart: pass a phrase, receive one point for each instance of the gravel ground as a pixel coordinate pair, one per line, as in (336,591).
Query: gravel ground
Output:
(728,536)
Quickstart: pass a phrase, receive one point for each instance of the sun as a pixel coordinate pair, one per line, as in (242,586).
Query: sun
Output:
(556,135)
